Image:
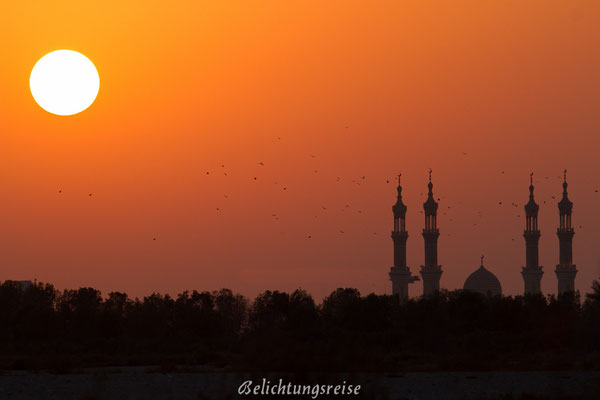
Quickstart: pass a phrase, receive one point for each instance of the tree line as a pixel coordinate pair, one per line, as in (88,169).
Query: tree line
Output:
(41,327)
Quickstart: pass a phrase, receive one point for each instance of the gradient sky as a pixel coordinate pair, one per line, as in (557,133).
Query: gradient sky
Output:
(323,93)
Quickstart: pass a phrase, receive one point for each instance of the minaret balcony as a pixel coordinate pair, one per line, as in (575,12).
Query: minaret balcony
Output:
(570,267)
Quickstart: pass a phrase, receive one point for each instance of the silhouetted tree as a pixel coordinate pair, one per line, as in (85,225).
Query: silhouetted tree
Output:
(277,330)
(341,308)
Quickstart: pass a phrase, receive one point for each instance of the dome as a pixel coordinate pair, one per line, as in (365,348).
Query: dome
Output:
(484,282)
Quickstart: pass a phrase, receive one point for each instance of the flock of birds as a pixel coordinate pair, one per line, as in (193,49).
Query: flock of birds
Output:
(358,182)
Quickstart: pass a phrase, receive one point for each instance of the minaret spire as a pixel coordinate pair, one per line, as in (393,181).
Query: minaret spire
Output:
(532,272)
(565,270)
(431,272)
(400,274)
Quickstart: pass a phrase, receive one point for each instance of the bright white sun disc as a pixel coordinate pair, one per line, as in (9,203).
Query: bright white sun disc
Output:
(64,82)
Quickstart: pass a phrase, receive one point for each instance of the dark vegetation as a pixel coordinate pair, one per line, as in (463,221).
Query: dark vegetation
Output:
(41,328)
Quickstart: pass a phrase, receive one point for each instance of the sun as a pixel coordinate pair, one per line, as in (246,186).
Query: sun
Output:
(64,82)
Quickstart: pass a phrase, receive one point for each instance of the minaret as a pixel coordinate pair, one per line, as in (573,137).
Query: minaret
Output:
(400,274)
(565,270)
(532,272)
(431,271)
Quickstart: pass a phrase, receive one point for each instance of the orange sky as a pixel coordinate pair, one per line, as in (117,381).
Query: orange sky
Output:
(315,90)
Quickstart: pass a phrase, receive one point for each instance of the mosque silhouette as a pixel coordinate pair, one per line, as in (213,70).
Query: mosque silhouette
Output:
(482,280)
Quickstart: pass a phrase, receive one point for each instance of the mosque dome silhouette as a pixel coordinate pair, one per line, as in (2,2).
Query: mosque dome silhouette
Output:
(483,281)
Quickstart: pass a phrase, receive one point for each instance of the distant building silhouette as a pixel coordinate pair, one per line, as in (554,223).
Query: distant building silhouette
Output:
(431,272)
(400,274)
(565,270)
(532,272)
(483,281)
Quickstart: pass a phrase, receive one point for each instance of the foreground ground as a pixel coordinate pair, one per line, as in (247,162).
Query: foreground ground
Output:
(146,383)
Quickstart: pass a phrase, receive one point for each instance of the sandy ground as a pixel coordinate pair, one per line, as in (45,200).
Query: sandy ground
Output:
(139,383)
